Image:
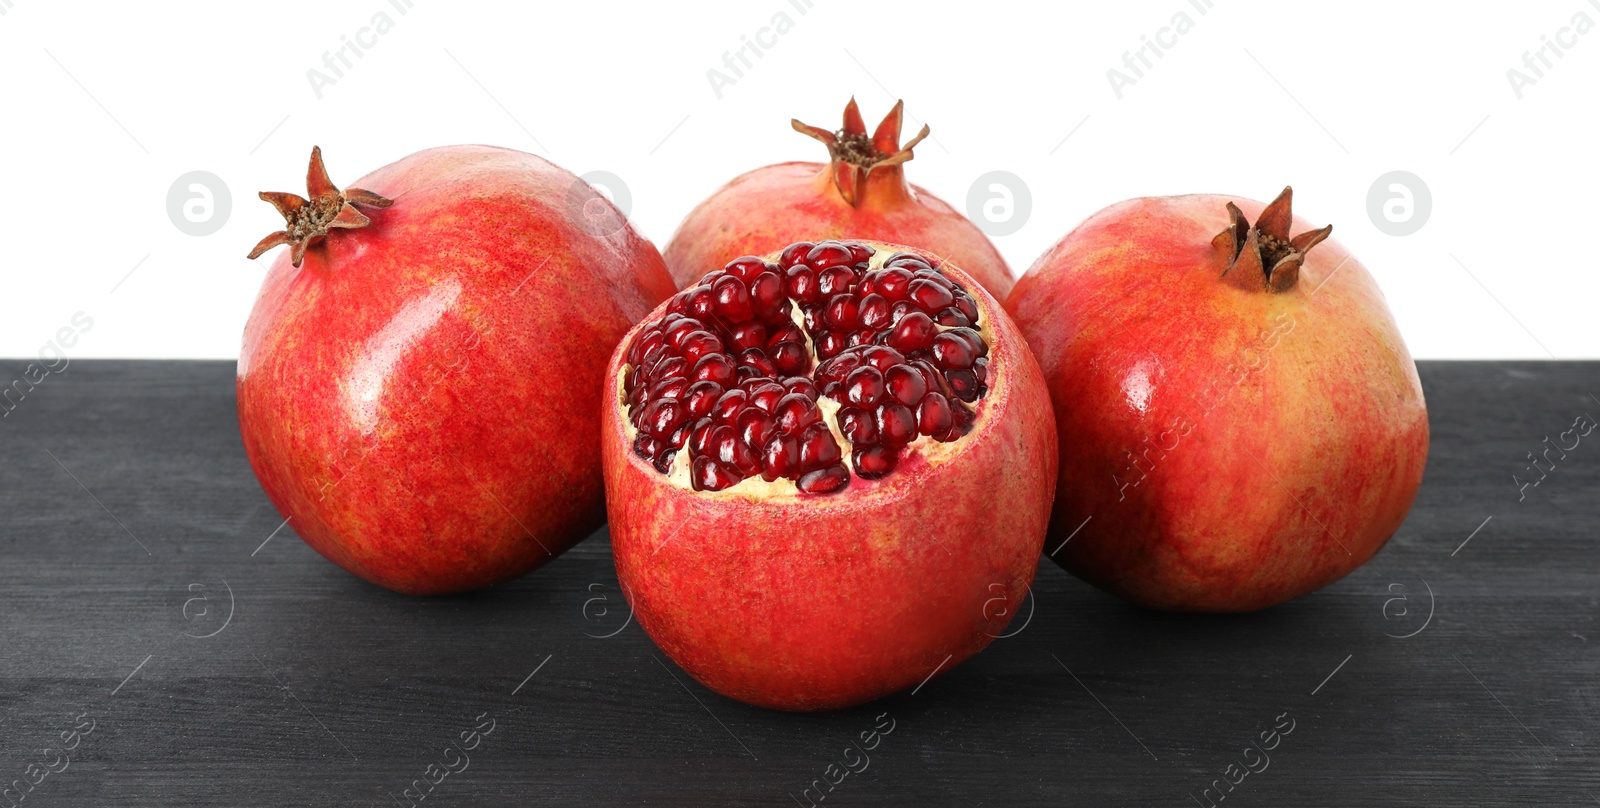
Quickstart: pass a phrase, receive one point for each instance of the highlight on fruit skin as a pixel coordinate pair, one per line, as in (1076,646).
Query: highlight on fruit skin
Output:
(419,381)
(1239,419)
(860,193)
(824,467)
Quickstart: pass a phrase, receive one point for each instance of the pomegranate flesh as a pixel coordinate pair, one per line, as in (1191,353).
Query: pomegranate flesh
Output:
(1240,421)
(861,192)
(828,473)
(419,383)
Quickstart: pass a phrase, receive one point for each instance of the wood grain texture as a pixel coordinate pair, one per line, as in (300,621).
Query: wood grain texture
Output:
(320,689)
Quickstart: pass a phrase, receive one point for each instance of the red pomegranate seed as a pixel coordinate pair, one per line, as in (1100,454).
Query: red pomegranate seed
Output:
(829,254)
(892,283)
(707,475)
(897,426)
(802,284)
(963,384)
(646,446)
(801,385)
(874,310)
(817,447)
(733,300)
(794,254)
(835,280)
(795,412)
(766,395)
(980,369)
(729,406)
(882,357)
(669,367)
(966,305)
(901,259)
(859,252)
(825,481)
(702,302)
(700,436)
(755,427)
(757,359)
(698,344)
(746,267)
(716,368)
(933,415)
(749,335)
(766,293)
(668,388)
(789,357)
(906,384)
(831,344)
(679,302)
(864,386)
(952,352)
(872,462)
(680,436)
(858,426)
(661,416)
(899,310)
(843,312)
(780,458)
(929,295)
(914,332)
(960,421)
(951,317)
(788,332)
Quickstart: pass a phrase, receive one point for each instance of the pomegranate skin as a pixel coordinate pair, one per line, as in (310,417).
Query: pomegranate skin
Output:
(812,602)
(1223,449)
(419,398)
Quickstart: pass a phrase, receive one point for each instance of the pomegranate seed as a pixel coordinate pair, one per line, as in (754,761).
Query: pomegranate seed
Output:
(980,369)
(733,300)
(896,424)
(875,311)
(831,344)
(680,436)
(930,374)
(858,426)
(749,335)
(864,386)
(929,295)
(794,253)
(892,283)
(790,357)
(702,302)
(843,312)
(905,384)
(755,427)
(861,338)
(802,284)
(668,388)
(966,305)
(646,446)
(963,384)
(825,481)
(700,436)
(872,462)
(663,461)
(901,259)
(829,254)
(707,475)
(898,311)
(951,352)
(931,274)
(661,416)
(795,412)
(801,385)
(699,344)
(679,302)
(766,396)
(757,358)
(951,317)
(780,458)
(729,405)
(746,267)
(933,415)
(835,280)
(882,357)
(766,293)
(815,317)
(788,332)
(670,367)
(960,422)
(914,332)
(651,358)
(859,252)
(817,447)
(714,367)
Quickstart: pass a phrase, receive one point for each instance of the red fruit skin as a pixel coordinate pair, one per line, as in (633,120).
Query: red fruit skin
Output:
(1281,437)
(420,398)
(819,602)
(765,209)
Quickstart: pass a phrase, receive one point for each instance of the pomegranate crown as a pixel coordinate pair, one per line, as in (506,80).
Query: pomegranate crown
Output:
(1264,257)
(854,154)
(308,221)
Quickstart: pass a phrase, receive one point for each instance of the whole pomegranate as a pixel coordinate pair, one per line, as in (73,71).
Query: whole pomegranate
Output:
(1240,422)
(861,192)
(828,473)
(419,381)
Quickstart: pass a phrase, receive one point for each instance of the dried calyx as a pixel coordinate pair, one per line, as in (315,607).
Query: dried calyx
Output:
(310,220)
(766,367)
(1265,257)
(855,155)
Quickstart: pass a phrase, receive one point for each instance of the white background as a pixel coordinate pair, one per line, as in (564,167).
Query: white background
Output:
(104,105)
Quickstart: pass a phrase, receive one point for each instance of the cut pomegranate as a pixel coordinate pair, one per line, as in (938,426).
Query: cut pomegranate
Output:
(821,465)
(883,367)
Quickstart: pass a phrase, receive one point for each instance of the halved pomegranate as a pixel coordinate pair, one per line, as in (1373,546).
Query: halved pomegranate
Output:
(821,466)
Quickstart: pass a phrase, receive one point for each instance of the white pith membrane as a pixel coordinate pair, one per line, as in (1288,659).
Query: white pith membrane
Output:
(930,449)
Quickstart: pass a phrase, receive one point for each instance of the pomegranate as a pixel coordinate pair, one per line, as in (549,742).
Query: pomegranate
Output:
(828,473)
(861,192)
(1240,422)
(419,381)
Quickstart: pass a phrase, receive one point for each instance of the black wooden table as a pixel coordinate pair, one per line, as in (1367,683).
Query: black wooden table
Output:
(158,618)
